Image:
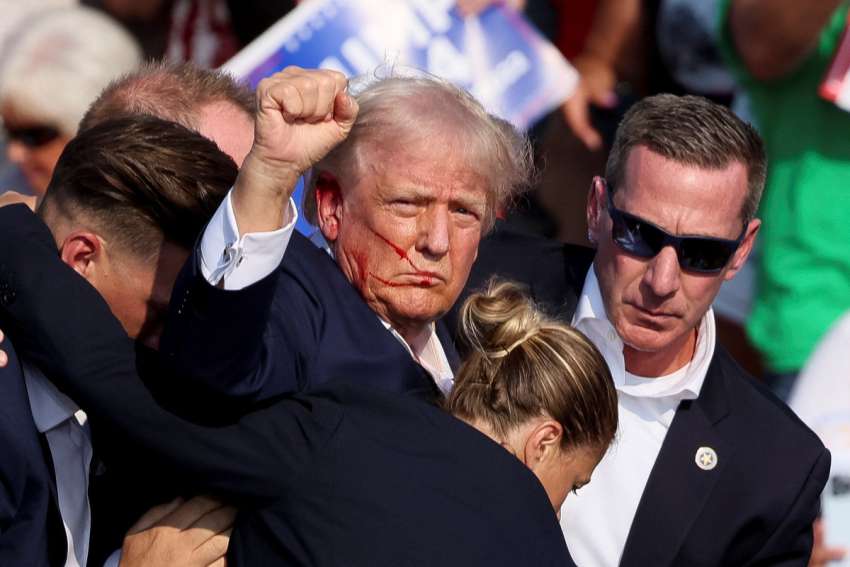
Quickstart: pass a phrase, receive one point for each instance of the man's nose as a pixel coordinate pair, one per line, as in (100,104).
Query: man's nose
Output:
(434,229)
(663,275)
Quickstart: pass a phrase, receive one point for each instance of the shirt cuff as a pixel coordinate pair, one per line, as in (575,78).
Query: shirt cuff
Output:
(113,560)
(242,260)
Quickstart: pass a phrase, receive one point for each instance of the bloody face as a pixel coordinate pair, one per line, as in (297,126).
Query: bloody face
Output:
(406,232)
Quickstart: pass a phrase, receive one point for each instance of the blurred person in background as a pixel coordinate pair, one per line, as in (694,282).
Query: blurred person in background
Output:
(205,32)
(821,397)
(13,12)
(780,52)
(51,69)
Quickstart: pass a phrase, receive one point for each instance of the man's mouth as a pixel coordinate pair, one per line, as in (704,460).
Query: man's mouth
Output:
(416,279)
(655,313)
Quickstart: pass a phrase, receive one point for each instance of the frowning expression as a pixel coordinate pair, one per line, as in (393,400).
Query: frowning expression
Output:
(652,302)
(406,232)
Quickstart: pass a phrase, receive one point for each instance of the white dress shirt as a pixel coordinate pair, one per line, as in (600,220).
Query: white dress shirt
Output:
(597,520)
(65,426)
(241,260)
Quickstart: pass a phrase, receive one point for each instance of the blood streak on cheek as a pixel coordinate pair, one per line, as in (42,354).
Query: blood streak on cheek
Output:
(427,278)
(387,282)
(398,249)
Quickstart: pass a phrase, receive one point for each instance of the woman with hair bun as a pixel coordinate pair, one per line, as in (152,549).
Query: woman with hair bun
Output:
(536,386)
(349,475)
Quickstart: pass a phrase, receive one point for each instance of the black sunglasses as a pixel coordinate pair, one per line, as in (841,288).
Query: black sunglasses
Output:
(703,254)
(32,136)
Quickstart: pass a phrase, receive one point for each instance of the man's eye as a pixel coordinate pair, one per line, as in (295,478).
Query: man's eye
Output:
(466,212)
(404,205)
(575,490)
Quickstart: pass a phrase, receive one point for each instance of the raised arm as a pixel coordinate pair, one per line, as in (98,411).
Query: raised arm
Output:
(773,37)
(63,325)
(221,302)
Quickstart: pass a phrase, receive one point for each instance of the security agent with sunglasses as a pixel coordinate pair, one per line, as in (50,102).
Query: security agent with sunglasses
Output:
(709,468)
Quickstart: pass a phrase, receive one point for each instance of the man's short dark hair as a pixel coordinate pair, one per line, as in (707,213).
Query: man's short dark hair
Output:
(694,131)
(174,91)
(141,180)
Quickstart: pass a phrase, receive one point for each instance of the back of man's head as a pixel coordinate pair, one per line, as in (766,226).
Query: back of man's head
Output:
(172,91)
(140,181)
(208,101)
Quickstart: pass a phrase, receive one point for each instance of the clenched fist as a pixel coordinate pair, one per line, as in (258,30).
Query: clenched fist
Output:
(301,116)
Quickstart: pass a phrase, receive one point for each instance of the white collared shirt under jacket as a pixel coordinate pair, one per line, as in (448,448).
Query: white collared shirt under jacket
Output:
(597,520)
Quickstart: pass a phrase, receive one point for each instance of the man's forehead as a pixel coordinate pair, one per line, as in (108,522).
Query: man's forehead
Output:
(680,197)
(432,183)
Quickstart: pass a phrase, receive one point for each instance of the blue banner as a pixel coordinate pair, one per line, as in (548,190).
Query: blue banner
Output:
(497,56)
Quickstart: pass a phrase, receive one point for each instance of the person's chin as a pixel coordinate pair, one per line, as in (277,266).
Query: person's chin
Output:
(417,304)
(645,338)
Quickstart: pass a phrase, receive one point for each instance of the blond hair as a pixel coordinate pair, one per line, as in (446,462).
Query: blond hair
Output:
(401,111)
(522,365)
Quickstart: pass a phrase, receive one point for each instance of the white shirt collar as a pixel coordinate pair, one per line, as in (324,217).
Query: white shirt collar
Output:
(428,350)
(591,319)
(49,406)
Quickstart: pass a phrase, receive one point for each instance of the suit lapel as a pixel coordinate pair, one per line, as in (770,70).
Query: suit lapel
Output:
(678,488)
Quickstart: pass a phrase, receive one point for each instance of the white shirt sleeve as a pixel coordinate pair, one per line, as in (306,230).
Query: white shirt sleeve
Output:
(241,260)
(113,560)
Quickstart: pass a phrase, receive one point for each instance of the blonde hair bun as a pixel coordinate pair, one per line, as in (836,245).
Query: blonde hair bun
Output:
(521,364)
(499,319)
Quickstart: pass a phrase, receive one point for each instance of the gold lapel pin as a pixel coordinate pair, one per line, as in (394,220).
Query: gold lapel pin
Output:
(706,458)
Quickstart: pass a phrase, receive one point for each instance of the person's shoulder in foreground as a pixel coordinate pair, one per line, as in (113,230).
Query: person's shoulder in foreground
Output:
(389,453)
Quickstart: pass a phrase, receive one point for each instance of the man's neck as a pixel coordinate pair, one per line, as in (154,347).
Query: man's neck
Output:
(661,363)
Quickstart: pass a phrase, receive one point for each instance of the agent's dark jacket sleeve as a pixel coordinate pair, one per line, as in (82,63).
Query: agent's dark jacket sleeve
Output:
(61,323)
(791,542)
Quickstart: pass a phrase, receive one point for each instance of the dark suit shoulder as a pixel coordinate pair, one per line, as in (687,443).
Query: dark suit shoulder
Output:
(552,272)
(765,415)
(395,452)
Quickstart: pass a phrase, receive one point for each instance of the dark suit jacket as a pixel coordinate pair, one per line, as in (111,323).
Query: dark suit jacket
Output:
(31,531)
(757,506)
(293,331)
(354,476)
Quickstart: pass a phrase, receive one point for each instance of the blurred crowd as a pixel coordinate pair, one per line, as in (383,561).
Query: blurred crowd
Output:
(782,314)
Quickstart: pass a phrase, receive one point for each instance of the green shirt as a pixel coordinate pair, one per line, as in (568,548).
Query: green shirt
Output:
(803,282)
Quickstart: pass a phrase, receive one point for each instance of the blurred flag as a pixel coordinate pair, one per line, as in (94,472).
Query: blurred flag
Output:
(497,56)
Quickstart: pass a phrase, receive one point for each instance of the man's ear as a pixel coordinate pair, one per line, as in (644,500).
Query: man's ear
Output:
(595,207)
(743,251)
(543,443)
(83,251)
(328,205)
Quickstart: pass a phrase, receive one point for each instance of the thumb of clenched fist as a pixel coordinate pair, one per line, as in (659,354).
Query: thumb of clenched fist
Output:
(302,114)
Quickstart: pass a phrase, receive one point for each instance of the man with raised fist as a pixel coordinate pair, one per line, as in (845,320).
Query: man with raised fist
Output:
(405,178)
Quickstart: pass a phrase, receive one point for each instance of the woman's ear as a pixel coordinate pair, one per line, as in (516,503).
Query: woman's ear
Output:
(543,443)
(83,251)
(328,205)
